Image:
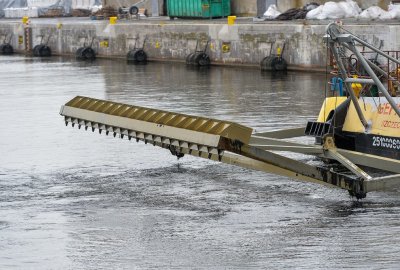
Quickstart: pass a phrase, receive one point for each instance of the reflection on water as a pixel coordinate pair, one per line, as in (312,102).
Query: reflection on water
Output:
(70,199)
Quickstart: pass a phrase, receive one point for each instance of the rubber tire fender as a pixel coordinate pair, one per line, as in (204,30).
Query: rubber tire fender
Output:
(202,59)
(266,63)
(88,54)
(137,56)
(133,10)
(279,64)
(192,59)
(36,50)
(130,56)
(45,51)
(140,56)
(78,53)
(6,49)
(189,59)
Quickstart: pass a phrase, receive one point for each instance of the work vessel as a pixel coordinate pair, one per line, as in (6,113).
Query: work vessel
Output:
(357,133)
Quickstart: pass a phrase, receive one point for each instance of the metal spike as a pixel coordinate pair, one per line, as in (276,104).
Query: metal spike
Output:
(137,139)
(73,124)
(129,137)
(122,136)
(93,129)
(115,134)
(79,126)
(220,152)
(107,132)
(66,123)
(100,131)
(86,127)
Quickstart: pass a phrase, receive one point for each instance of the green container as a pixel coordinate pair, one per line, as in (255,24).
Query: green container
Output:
(198,8)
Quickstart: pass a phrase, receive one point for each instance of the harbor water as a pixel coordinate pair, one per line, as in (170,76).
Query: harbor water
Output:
(71,199)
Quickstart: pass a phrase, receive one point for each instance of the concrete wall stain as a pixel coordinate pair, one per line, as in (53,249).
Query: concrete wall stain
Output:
(248,44)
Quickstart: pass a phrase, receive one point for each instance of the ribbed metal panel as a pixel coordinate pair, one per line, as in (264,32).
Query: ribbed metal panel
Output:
(224,129)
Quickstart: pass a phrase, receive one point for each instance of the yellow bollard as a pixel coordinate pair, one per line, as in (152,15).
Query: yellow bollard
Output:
(113,20)
(231,20)
(25,19)
(278,51)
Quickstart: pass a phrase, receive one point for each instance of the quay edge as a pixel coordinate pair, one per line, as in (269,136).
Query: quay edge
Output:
(243,44)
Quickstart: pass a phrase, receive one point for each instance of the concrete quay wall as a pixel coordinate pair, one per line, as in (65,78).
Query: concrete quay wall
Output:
(243,44)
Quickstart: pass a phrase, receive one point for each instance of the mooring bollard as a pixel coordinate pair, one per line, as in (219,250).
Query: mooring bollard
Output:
(113,20)
(25,20)
(231,20)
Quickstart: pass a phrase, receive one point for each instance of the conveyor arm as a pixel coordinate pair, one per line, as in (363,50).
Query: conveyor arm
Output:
(203,137)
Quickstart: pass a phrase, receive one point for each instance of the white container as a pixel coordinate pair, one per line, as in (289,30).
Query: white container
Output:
(41,3)
(9,13)
(14,13)
(24,12)
(33,12)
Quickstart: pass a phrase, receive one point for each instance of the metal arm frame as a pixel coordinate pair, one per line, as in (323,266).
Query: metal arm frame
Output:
(338,41)
(210,138)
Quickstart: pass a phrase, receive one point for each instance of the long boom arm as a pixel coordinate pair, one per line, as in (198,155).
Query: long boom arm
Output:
(213,139)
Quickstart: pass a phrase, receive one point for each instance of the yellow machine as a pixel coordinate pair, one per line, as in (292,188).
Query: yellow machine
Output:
(355,132)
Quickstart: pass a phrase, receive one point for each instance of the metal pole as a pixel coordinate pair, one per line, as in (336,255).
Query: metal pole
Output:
(375,49)
(348,85)
(375,67)
(377,81)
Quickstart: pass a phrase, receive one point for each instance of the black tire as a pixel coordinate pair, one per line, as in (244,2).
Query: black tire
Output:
(6,49)
(192,59)
(78,53)
(45,51)
(88,54)
(141,56)
(36,50)
(263,63)
(133,10)
(137,56)
(189,59)
(266,62)
(202,59)
(131,56)
(279,64)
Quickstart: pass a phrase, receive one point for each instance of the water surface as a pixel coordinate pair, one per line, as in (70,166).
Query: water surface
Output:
(70,199)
